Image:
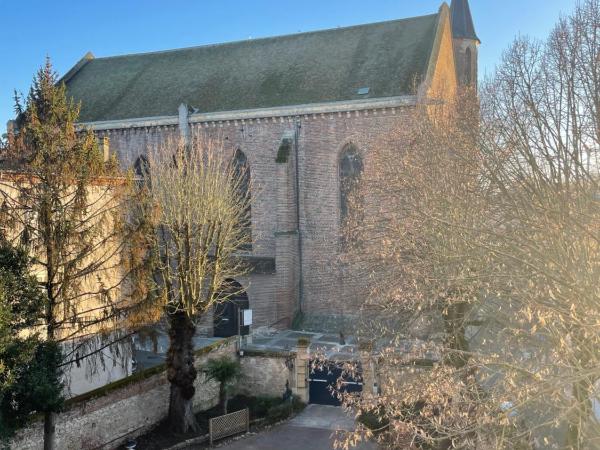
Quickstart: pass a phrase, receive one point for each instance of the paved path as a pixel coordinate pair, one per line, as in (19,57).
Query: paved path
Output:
(312,429)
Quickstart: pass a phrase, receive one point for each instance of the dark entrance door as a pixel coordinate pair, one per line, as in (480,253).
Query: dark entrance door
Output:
(323,380)
(227,313)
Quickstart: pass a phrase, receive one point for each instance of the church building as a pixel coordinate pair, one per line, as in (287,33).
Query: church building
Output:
(302,112)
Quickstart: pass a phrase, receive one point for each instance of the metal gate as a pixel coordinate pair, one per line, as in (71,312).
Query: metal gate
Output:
(323,382)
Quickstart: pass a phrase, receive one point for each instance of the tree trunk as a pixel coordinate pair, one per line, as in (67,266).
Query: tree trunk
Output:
(223,398)
(582,394)
(181,373)
(454,316)
(50,416)
(49,430)
(583,410)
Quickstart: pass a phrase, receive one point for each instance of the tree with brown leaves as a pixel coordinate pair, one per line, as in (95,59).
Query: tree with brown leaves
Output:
(415,240)
(491,224)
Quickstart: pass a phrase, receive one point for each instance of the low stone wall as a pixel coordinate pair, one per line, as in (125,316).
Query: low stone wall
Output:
(106,417)
(266,373)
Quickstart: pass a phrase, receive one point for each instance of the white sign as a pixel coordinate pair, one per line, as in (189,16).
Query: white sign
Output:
(247,317)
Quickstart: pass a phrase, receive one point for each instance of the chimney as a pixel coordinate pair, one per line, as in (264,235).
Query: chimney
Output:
(184,124)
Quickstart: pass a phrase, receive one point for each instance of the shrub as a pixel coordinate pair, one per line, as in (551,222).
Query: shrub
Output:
(373,420)
(261,405)
(303,342)
(284,410)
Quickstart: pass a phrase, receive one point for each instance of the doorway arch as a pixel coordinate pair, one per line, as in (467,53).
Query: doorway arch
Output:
(226,314)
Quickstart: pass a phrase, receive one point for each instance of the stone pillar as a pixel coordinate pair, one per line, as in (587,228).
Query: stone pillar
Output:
(368,367)
(301,370)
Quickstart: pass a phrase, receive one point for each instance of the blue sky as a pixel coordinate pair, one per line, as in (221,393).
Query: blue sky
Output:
(66,30)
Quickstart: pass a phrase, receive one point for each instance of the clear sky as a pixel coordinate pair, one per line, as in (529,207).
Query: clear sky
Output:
(66,29)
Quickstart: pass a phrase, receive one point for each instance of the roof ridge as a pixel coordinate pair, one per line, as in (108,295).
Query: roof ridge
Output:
(266,38)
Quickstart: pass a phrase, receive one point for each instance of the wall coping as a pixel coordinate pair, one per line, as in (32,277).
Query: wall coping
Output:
(268,353)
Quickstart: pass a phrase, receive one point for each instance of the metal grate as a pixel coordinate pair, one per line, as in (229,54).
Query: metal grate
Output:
(229,424)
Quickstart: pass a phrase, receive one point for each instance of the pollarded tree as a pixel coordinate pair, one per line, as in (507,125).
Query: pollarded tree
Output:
(201,222)
(69,207)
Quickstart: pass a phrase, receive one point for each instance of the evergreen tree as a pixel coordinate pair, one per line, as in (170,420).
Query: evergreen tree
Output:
(70,208)
(29,374)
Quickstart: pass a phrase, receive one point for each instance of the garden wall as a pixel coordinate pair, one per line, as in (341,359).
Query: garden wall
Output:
(265,373)
(106,417)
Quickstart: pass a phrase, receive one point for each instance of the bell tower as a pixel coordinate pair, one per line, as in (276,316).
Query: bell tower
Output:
(466,43)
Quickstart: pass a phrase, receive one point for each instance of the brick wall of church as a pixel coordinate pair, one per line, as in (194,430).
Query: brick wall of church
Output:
(328,289)
(331,288)
(271,296)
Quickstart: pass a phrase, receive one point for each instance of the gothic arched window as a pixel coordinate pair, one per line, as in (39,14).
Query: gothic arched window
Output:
(242,168)
(351,167)
(468,66)
(141,168)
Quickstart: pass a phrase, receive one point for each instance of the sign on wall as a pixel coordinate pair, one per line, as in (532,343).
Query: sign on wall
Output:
(246,317)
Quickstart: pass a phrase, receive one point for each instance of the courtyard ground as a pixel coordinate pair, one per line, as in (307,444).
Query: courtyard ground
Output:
(312,429)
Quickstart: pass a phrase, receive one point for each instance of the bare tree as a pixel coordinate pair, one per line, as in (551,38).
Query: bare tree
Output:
(201,222)
(541,143)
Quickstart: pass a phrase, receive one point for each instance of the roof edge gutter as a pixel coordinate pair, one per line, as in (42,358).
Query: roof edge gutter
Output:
(259,113)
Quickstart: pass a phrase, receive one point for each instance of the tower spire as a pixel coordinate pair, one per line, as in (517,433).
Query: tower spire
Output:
(466,43)
(462,22)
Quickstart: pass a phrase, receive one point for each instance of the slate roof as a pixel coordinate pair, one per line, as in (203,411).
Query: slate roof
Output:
(314,67)
(462,22)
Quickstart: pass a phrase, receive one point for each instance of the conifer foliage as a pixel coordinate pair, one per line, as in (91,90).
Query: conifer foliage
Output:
(29,368)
